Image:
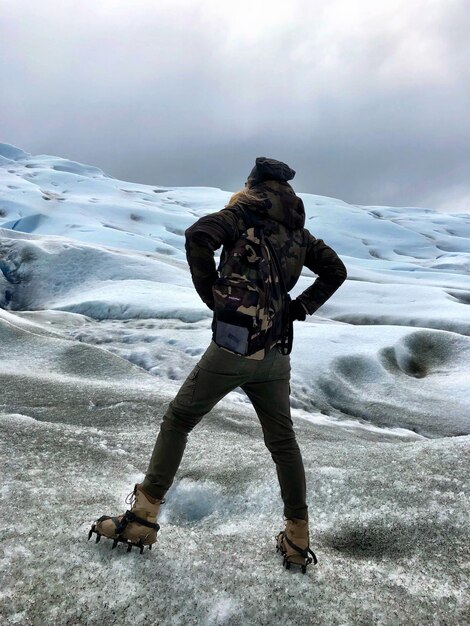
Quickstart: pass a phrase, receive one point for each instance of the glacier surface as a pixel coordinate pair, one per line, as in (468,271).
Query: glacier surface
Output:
(100,324)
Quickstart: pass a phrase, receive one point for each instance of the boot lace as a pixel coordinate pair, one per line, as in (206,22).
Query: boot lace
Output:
(130,499)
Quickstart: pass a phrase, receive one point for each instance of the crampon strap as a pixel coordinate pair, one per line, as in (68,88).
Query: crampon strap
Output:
(305,553)
(130,517)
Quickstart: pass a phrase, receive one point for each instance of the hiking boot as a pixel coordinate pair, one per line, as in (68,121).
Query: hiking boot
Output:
(137,527)
(293,544)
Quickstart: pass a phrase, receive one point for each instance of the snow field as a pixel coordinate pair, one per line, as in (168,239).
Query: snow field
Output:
(384,518)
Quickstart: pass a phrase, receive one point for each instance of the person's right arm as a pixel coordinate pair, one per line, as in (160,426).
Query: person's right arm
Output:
(331,272)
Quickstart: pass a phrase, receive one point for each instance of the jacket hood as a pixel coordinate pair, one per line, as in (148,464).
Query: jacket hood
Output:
(278,202)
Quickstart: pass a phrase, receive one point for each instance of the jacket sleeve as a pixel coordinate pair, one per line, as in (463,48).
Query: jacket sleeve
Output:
(331,271)
(202,239)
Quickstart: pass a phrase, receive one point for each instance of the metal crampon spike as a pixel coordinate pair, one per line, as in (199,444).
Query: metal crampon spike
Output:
(91,532)
(115,542)
(141,546)
(129,546)
(98,537)
(150,546)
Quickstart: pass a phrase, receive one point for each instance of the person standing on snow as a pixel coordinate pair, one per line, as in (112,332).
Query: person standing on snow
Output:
(269,203)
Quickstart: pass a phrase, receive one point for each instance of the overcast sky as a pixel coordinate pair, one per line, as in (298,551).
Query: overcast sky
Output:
(369,101)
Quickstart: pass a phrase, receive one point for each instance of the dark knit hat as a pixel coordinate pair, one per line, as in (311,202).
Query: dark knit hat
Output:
(270,169)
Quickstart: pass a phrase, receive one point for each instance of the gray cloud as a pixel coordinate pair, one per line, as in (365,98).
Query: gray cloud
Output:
(368,103)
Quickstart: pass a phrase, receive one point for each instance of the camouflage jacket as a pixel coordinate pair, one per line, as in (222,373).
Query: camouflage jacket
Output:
(283,217)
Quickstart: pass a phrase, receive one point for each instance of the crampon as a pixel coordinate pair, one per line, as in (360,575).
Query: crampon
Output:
(135,528)
(120,538)
(292,543)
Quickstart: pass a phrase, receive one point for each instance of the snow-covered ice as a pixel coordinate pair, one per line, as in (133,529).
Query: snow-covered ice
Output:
(99,325)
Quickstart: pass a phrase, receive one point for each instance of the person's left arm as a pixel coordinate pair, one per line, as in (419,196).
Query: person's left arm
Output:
(202,239)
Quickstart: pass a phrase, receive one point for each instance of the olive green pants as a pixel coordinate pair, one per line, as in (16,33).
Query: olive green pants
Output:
(266,384)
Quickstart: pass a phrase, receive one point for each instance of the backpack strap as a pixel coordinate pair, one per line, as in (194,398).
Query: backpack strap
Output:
(288,338)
